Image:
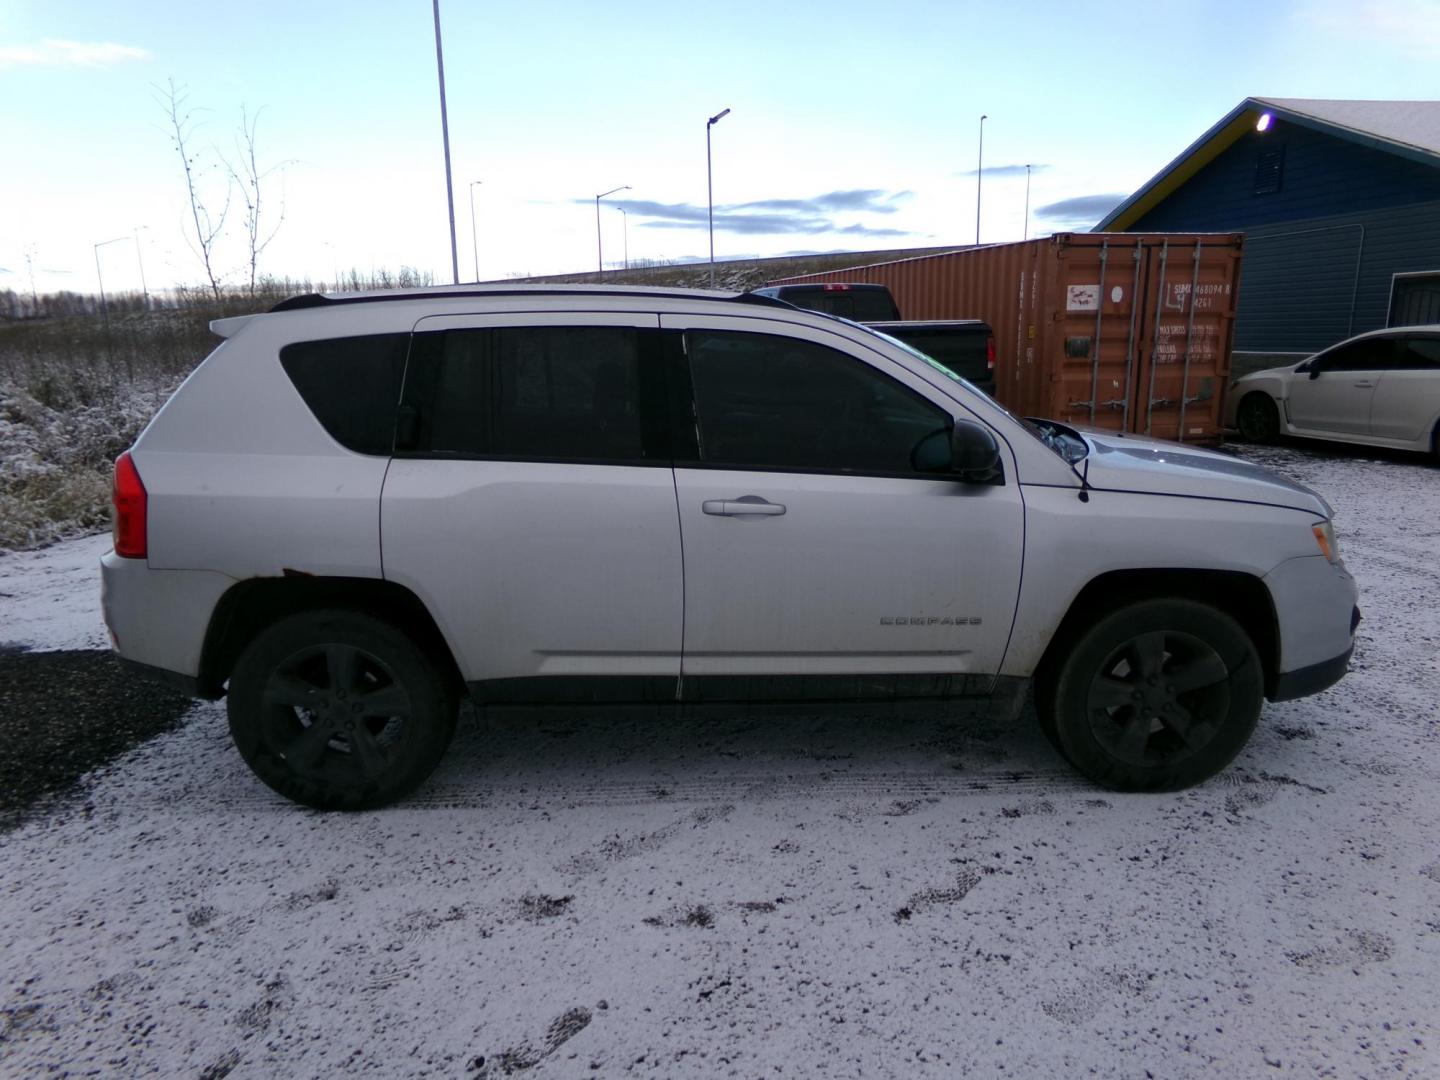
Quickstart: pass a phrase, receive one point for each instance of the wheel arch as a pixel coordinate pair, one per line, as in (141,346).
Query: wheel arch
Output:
(249,606)
(1242,596)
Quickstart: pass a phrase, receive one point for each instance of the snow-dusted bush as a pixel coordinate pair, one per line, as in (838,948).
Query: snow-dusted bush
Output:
(56,457)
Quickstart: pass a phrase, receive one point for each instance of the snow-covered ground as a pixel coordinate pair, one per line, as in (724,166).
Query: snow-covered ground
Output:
(621,893)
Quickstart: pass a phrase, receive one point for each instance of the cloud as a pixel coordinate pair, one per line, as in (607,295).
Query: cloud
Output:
(1085,209)
(770,217)
(1406,27)
(69,54)
(864,200)
(1005,170)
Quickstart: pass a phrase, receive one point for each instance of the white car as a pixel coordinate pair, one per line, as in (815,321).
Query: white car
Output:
(360,508)
(1380,388)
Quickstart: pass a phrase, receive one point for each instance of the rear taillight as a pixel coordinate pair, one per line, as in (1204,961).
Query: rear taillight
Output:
(990,354)
(129,497)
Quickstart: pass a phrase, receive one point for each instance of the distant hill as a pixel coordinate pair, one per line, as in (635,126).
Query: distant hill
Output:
(736,275)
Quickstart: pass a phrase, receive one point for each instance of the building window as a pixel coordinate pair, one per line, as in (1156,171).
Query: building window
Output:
(1269,171)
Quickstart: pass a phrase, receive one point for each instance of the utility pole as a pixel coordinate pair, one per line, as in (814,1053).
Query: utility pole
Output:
(979,175)
(710,188)
(1026,234)
(445,134)
(599,249)
(474,246)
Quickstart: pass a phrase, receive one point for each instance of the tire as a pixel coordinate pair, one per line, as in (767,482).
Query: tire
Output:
(1257,418)
(339,710)
(1157,696)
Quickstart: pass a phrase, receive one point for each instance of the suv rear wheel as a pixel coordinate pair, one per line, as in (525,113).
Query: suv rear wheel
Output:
(1156,696)
(339,710)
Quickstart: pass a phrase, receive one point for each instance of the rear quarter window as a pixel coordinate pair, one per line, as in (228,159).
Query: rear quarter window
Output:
(352,385)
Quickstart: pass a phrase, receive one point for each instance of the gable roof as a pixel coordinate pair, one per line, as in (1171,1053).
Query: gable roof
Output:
(1409,129)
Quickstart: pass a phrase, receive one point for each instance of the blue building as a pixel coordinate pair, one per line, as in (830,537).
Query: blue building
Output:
(1340,205)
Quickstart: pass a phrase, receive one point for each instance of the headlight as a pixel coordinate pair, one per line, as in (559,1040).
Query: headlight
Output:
(1325,537)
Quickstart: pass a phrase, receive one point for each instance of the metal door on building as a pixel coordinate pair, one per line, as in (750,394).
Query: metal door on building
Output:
(1414,299)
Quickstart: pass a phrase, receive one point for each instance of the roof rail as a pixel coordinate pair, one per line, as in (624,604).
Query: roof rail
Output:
(314,300)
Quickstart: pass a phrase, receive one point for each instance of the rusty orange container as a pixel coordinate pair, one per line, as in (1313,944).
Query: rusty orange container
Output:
(1121,331)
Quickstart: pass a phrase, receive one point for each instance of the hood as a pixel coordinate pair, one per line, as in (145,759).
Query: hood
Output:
(1153,466)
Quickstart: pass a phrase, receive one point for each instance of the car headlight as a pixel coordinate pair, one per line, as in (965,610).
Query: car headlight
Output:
(1324,532)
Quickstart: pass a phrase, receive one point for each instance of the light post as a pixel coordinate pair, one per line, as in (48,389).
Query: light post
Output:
(473,246)
(625,227)
(445,134)
(105,307)
(599,249)
(144,290)
(979,175)
(1026,234)
(710,189)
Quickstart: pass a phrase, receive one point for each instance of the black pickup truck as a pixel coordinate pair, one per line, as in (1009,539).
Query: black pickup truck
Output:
(965,346)
(856,302)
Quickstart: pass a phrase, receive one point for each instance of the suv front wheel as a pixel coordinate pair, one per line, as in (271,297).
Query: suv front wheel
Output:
(1156,696)
(339,710)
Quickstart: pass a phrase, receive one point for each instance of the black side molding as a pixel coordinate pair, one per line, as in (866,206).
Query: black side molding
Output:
(1311,680)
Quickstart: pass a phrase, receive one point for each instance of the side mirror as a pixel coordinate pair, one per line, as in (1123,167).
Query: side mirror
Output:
(974,454)
(1314,371)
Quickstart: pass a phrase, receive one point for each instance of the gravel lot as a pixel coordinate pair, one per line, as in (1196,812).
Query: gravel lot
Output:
(626,893)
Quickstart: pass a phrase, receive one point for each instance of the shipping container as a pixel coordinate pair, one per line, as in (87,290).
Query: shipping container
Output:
(1122,331)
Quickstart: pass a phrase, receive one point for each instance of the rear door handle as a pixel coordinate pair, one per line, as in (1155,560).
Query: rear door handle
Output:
(746,504)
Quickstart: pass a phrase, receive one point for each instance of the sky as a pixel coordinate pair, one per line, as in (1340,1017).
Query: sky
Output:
(853,126)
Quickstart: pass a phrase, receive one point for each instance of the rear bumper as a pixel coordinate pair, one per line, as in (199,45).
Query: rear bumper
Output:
(158,618)
(186,684)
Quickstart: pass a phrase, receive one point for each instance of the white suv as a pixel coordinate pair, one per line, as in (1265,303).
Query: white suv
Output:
(360,508)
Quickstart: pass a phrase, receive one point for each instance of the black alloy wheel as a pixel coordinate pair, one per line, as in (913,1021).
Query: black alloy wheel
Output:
(1158,695)
(339,710)
(1257,418)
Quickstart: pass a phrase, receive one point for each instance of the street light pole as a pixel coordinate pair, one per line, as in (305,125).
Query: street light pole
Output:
(104,306)
(599,248)
(144,291)
(710,189)
(625,227)
(473,245)
(445,134)
(1026,234)
(979,175)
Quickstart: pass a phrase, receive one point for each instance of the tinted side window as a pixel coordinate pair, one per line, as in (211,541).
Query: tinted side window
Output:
(571,393)
(1369,355)
(1418,354)
(352,385)
(764,401)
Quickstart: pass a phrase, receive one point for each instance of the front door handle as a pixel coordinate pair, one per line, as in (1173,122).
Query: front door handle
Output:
(745,504)
(1364,385)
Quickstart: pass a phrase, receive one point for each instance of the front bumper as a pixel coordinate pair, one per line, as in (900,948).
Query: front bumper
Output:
(1317,612)
(1312,679)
